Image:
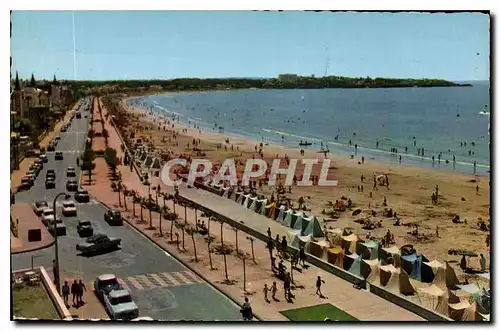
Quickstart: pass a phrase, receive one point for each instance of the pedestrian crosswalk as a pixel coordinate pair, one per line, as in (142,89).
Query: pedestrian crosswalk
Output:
(159,280)
(91,202)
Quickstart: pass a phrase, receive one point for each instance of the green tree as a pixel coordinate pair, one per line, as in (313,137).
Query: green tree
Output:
(111,159)
(192,231)
(115,186)
(209,239)
(87,163)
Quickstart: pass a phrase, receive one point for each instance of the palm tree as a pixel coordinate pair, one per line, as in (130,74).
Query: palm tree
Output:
(209,239)
(181,226)
(236,232)
(164,211)
(142,201)
(115,188)
(151,207)
(135,200)
(192,231)
(126,193)
(221,232)
(158,193)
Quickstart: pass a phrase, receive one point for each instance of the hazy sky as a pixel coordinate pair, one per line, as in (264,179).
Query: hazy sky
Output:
(128,44)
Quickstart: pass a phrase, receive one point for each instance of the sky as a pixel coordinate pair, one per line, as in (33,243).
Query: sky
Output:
(169,44)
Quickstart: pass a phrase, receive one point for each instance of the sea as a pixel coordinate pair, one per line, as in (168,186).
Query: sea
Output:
(443,121)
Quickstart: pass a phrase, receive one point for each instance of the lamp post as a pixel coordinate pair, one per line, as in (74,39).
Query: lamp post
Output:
(56,267)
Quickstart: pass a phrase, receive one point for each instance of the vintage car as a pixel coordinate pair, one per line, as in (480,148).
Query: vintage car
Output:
(39,207)
(69,208)
(117,301)
(51,147)
(113,217)
(26,183)
(70,172)
(60,228)
(82,195)
(59,156)
(98,243)
(50,183)
(47,216)
(72,185)
(84,228)
(50,173)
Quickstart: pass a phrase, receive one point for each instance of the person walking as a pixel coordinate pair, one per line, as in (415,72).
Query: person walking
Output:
(65,293)
(286,286)
(302,256)
(266,290)
(274,289)
(81,289)
(269,232)
(246,310)
(74,291)
(319,281)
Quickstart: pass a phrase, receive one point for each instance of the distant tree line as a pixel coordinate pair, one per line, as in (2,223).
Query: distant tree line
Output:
(300,82)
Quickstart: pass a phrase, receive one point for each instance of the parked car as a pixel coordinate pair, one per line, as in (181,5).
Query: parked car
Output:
(98,243)
(60,228)
(39,206)
(31,174)
(72,185)
(26,183)
(51,147)
(59,156)
(47,216)
(118,302)
(69,208)
(113,217)
(64,128)
(82,195)
(84,228)
(50,183)
(78,115)
(51,172)
(70,172)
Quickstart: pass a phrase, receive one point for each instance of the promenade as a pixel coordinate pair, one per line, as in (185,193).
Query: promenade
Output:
(361,304)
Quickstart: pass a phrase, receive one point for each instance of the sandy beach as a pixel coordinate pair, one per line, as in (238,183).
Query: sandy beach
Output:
(409,193)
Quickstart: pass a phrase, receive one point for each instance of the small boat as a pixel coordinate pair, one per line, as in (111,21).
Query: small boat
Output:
(304,143)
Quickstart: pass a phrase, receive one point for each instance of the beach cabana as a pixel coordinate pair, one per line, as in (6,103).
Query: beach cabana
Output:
(240,197)
(355,267)
(349,243)
(332,254)
(300,224)
(282,214)
(261,207)
(226,192)
(369,250)
(451,277)
(252,204)
(271,210)
(318,248)
(246,200)
(456,311)
(405,286)
(429,270)
(438,270)
(334,236)
(313,227)
(349,260)
(412,264)
(429,295)
(386,272)
(297,241)
(369,268)
(483,301)
(291,218)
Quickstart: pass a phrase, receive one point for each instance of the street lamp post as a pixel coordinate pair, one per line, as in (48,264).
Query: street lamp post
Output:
(56,267)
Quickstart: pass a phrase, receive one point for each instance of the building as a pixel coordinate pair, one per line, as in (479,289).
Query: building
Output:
(287,77)
(16,98)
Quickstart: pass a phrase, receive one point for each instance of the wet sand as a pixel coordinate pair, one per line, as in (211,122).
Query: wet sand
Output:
(409,193)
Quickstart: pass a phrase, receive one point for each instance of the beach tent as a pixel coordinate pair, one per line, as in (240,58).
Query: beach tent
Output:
(226,192)
(471,314)
(429,270)
(270,210)
(319,248)
(412,264)
(156,164)
(405,286)
(261,207)
(252,204)
(439,271)
(149,162)
(246,200)
(282,214)
(386,272)
(349,243)
(300,224)
(349,260)
(240,196)
(297,241)
(334,236)
(313,227)
(340,260)
(451,277)
(386,252)
(291,218)
(442,303)
(456,311)
(332,254)
(355,267)
(483,301)
(367,267)
(430,293)
(369,250)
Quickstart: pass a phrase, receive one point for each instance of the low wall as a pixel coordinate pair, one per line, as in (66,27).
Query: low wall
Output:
(408,305)
(53,294)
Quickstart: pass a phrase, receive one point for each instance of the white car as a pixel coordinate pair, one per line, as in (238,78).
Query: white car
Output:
(44,158)
(47,216)
(69,208)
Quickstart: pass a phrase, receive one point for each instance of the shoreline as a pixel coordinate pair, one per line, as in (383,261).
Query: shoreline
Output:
(335,155)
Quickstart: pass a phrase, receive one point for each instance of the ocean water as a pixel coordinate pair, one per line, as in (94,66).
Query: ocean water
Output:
(396,118)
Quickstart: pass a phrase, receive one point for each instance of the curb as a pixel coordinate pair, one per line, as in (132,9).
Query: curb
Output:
(230,297)
(34,249)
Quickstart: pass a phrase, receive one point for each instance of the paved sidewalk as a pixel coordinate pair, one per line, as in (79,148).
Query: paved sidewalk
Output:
(92,307)
(28,220)
(361,304)
(15,177)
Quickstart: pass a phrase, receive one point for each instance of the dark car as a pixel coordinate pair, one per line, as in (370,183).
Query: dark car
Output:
(50,183)
(82,195)
(59,156)
(51,172)
(78,115)
(98,243)
(26,183)
(72,185)
(70,172)
(60,228)
(51,147)
(39,206)
(84,228)
(113,217)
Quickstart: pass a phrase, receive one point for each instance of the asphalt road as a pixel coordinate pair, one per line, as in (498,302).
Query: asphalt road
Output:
(162,287)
